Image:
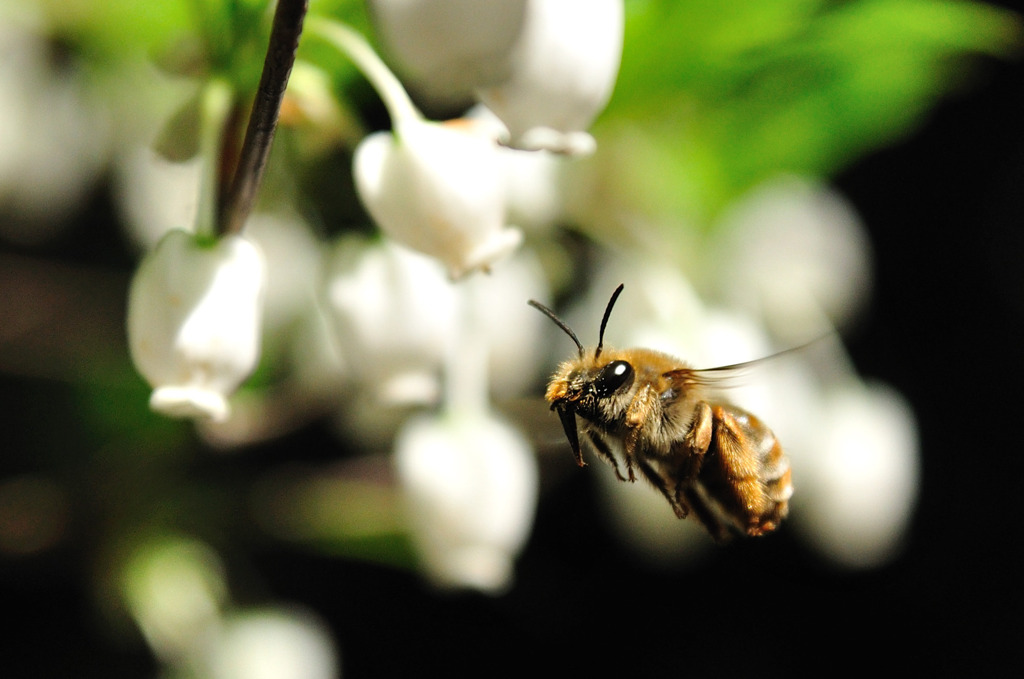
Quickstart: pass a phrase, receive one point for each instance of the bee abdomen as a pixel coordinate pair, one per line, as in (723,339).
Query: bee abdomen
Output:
(747,472)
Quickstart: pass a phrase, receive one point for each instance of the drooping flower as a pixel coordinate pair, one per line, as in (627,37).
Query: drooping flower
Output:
(392,313)
(54,136)
(471,485)
(795,252)
(438,189)
(861,480)
(561,74)
(546,68)
(446,49)
(270,643)
(194,311)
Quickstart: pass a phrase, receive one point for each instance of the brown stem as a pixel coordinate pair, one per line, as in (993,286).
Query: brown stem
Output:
(259,135)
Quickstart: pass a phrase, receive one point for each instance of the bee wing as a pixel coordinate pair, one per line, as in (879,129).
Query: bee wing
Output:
(726,376)
(722,377)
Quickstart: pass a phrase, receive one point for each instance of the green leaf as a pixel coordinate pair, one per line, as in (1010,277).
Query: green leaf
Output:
(741,91)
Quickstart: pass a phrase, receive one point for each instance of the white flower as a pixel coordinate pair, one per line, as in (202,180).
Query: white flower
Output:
(471,484)
(791,251)
(545,67)
(393,313)
(194,312)
(54,138)
(156,195)
(858,487)
(438,189)
(271,644)
(175,589)
(448,48)
(561,72)
(511,330)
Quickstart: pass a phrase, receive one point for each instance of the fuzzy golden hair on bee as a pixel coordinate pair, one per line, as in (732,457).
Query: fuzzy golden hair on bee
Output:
(651,415)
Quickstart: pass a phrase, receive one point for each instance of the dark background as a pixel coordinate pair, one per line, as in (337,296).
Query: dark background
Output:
(945,210)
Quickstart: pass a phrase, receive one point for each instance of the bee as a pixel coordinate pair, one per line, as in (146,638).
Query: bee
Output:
(654,413)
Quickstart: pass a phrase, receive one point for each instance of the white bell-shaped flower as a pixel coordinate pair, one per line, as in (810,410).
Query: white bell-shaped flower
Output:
(860,484)
(393,314)
(194,313)
(561,74)
(471,486)
(445,49)
(793,250)
(440,190)
(54,137)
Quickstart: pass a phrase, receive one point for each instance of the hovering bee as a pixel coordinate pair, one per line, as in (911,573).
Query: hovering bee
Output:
(651,410)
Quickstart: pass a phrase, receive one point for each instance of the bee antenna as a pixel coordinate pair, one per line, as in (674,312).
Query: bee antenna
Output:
(604,320)
(558,321)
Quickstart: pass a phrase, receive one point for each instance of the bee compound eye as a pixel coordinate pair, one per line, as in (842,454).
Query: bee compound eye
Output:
(612,377)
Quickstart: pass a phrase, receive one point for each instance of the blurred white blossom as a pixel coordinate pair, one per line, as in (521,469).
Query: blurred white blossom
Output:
(175,589)
(562,72)
(194,310)
(54,137)
(270,643)
(471,486)
(859,484)
(397,319)
(533,181)
(393,314)
(546,68)
(155,194)
(440,190)
(793,250)
(293,258)
(446,49)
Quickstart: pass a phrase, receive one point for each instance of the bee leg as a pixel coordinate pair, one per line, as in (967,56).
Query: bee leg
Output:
(679,506)
(629,444)
(640,414)
(719,531)
(695,444)
(686,456)
(602,449)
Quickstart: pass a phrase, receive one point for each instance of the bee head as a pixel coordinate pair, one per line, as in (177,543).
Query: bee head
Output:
(583,383)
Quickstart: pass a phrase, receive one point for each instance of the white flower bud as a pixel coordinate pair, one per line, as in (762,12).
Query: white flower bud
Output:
(194,313)
(438,189)
(561,71)
(471,484)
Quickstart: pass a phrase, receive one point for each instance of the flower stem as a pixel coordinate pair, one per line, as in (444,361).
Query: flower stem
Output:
(259,135)
(355,47)
(467,364)
(215,108)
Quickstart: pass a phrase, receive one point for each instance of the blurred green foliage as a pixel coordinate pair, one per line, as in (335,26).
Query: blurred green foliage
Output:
(739,91)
